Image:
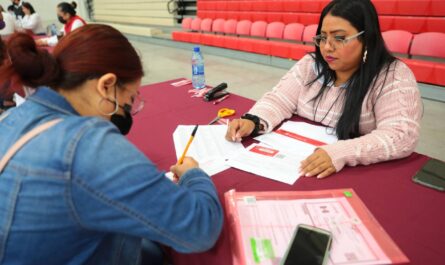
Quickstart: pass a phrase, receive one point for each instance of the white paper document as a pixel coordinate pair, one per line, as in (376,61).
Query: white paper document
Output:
(209,147)
(276,220)
(298,138)
(18,99)
(268,162)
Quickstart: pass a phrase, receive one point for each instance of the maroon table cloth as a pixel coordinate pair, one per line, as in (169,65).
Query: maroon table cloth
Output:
(413,215)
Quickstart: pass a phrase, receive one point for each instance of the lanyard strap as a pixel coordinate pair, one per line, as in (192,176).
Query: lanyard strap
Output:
(23,140)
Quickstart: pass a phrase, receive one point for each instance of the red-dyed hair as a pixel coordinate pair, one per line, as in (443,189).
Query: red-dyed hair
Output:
(86,53)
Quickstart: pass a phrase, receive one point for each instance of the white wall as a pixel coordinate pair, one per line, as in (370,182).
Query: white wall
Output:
(47,9)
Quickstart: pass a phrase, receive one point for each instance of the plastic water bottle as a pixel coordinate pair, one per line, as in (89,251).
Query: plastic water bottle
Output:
(54,30)
(198,78)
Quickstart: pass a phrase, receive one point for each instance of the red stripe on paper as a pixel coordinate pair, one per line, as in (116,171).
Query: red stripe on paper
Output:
(299,137)
(264,151)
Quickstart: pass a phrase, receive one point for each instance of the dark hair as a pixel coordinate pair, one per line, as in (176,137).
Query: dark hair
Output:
(10,8)
(68,8)
(27,5)
(363,17)
(2,51)
(68,68)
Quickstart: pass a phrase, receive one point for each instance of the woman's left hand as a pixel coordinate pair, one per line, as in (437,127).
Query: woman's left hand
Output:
(318,164)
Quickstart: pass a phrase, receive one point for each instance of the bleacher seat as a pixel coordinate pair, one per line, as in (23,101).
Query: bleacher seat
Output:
(309,33)
(196,24)
(293,31)
(187,23)
(218,25)
(398,41)
(429,44)
(206,25)
(230,26)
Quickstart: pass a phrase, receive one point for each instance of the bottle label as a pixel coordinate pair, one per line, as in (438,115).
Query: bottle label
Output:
(198,69)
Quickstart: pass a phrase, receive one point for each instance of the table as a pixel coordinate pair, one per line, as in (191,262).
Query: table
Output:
(411,214)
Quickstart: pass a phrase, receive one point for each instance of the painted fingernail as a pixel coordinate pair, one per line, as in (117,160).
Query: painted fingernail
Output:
(307,175)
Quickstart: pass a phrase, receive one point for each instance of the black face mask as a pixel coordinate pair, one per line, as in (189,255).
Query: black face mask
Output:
(61,20)
(123,123)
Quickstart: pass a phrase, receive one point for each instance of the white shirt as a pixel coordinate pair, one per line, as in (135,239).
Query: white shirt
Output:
(52,41)
(33,22)
(9,24)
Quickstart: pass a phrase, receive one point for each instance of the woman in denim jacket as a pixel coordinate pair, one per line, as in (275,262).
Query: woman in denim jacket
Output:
(80,192)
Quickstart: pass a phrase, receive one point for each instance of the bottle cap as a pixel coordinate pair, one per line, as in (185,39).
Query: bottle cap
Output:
(196,49)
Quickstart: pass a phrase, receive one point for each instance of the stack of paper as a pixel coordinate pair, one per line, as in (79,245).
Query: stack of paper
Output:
(209,147)
(280,153)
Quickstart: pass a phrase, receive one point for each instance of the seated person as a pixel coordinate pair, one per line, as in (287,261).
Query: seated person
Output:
(32,21)
(66,13)
(351,83)
(9,23)
(80,192)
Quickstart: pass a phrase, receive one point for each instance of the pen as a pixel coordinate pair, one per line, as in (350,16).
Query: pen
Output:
(181,159)
(221,99)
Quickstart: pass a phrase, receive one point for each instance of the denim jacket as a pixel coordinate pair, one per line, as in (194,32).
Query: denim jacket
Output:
(81,193)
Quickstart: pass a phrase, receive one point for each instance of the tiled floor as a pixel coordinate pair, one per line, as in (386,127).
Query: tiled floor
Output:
(253,80)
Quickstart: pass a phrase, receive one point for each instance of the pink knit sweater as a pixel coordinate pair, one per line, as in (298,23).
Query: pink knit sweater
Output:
(389,122)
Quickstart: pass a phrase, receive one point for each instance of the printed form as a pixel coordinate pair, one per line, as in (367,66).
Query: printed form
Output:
(274,221)
(279,154)
(209,147)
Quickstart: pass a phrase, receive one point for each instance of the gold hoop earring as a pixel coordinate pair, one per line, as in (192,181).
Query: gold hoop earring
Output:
(116,108)
(364,55)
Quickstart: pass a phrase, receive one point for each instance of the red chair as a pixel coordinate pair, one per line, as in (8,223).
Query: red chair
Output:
(275,5)
(385,7)
(293,31)
(274,16)
(230,26)
(397,41)
(232,6)
(206,25)
(242,29)
(275,30)
(186,23)
(309,33)
(290,18)
(309,18)
(435,24)
(411,24)
(428,44)
(427,72)
(218,25)
(437,8)
(258,29)
(245,6)
(196,24)
(386,23)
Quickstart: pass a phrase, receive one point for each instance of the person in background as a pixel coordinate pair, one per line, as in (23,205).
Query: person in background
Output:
(32,21)
(9,23)
(66,14)
(351,83)
(16,7)
(85,186)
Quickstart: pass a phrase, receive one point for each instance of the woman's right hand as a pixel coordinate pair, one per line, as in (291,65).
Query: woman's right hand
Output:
(238,129)
(186,165)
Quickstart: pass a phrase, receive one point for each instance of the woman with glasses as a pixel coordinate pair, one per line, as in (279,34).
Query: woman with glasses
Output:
(352,84)
(79,192)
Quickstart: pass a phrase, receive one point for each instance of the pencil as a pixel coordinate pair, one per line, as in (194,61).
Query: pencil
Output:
(181,159)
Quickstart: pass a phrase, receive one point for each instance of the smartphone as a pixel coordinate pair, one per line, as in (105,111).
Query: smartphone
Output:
(432,175)
(309,246)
